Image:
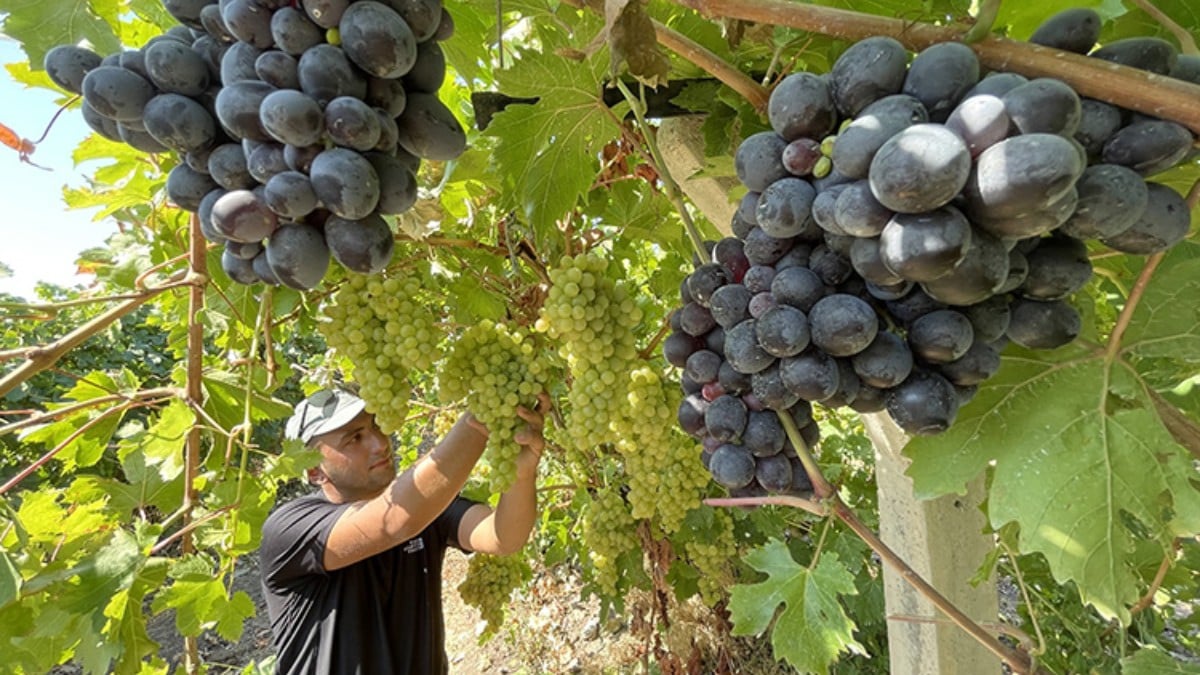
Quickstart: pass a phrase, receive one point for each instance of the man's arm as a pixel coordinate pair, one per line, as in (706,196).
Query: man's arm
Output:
(411,502)
(505,530)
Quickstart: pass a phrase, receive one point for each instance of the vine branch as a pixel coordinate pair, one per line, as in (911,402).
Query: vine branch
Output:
(714,65)
(41,359)
(1016,660)
(53,452)
(195,354)
(42,417)
(1131,303)
(1155,95)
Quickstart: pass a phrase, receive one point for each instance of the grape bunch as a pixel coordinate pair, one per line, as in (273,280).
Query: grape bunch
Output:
(489,584)
(299,125)
(710,557)
(495,370)
(593,319)
(954,217)
(609,531)
(379,323)
(660,463)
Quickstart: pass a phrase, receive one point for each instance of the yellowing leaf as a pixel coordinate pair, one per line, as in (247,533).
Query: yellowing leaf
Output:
(813,630)
(633,42)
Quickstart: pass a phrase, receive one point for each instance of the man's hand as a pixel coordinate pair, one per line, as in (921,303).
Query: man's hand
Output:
(530,436)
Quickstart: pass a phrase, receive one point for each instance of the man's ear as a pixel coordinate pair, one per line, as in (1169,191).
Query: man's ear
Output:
(316,476)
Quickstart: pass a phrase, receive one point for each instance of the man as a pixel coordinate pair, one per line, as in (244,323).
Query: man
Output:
(352,573)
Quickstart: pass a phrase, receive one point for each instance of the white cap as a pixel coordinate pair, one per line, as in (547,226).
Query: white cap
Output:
(325,411)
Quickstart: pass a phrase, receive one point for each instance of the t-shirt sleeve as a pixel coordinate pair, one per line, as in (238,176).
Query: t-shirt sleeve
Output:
(294,538)
(446,525)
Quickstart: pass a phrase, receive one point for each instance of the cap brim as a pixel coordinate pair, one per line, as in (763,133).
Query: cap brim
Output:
(338,420)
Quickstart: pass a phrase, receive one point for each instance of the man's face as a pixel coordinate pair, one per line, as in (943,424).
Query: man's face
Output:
(357,460)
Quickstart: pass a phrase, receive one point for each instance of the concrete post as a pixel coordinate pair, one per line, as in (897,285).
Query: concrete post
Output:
(941,539)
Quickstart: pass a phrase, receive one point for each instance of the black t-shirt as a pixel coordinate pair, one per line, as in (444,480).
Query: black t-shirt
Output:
(379,616)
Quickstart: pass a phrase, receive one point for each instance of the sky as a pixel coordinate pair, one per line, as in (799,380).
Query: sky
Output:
(40,238)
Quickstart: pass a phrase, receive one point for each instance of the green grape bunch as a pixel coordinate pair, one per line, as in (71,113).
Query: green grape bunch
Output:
(665,477)
(378,323)
(488,587)
(593,319)
(609,531)
(496,370)
(710,557)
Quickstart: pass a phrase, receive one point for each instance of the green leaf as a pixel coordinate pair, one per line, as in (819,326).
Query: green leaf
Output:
(85,449)
(472,302)
(43,25)
(232,615)
(549,148)
(204,603)
(10,580)
(1022,18)
(113,568)
(1154,661)
(1067,472)
(161,445)
(1166,323)
(812,631)
(25,74)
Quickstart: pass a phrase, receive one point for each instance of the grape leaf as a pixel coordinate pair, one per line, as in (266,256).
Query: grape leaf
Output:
(549,148)
(474,33)
(1022,18)
(161,444)
(1154,661)
(1164,322)
(10,580)
(1067,472)
(812,630)
(43,25)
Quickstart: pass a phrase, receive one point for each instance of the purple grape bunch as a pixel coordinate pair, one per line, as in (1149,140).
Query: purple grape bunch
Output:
(904,221)
(298,126)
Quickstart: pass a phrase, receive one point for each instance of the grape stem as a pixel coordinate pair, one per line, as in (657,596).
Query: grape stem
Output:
(1131,303)
(703,59)
(812,507)
(822,490)
(1187,44)
(1037,626)
(669,184)
(658,337)
(1155,95)
(714,65)
(984,20)
(195,399)
(47,355)
(184,531)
